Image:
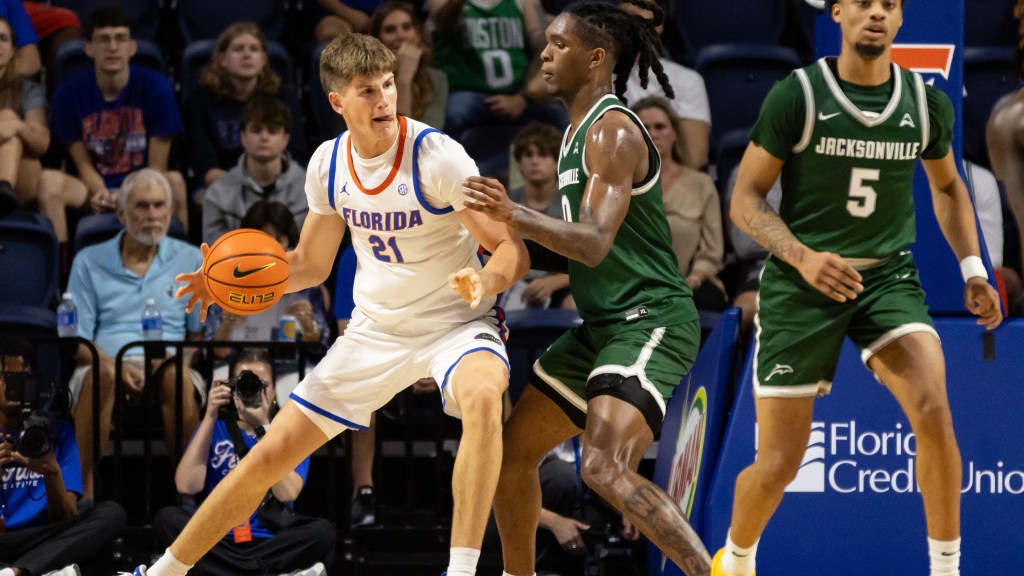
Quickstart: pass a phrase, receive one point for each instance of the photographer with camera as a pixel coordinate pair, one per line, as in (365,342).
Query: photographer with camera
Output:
(274,540)
(42,532)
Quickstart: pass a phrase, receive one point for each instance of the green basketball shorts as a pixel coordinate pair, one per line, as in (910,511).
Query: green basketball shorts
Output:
(658,358)
(800,331)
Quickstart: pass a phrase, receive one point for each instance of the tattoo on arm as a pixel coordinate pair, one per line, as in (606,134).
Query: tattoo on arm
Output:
(579,241)
(767,228)
(661,520)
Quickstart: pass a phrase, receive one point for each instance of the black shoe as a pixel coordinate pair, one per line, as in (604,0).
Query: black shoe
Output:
(364,507)
(8,199)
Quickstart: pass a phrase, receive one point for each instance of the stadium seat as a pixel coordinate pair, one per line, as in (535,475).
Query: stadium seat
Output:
(328,123)
(144,14)
(204,20)
(702,23)
(71,59)
(490,147)
(531,331)
(96,228)
(197,55)
(731,147)
(738,77)
(989,23)
(988,76)
(28,257)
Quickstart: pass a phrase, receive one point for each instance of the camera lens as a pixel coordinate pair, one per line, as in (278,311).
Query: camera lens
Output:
(250,388)
(34,441)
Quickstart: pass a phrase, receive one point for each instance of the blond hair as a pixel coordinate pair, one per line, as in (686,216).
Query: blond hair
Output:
(351,56)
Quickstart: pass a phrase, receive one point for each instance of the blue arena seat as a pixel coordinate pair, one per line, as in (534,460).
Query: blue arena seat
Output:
(71,59)
(96,228)
(988,75)
(28,258)
(202,19)
(989,23)
(197,54)
(738,77)
(731,147)
(144,14)
(328,123)
(702,23)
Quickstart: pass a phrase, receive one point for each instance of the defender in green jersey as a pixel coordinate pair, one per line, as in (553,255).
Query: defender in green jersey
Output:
(610,377)
(845,135)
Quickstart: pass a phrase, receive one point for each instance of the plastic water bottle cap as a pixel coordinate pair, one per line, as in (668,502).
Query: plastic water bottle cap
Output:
(150,302)
(67,296)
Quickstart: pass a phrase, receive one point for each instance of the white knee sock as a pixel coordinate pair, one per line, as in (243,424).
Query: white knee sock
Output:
(168,565)
(945,557)
(462,561)
(738,561)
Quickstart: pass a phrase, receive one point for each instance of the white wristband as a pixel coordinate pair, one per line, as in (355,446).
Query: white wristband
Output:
(972,266)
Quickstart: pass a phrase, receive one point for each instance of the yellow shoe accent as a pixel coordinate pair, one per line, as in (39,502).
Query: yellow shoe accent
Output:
(716,564)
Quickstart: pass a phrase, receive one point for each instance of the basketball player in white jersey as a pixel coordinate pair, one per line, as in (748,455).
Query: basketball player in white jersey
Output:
(423,303)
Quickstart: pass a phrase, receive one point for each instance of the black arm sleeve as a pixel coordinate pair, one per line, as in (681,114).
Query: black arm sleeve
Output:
(546,260)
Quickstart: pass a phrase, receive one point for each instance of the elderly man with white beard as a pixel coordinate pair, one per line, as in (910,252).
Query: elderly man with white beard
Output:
(111,283)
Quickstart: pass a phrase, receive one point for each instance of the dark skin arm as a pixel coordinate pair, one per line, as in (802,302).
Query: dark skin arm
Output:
(616,154)
(61,504)
(1005,137)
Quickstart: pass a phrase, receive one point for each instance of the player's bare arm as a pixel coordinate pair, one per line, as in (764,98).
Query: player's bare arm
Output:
(616,153)
(955,214)
(1005,138)
(827,272)
(508,263)
(313,257)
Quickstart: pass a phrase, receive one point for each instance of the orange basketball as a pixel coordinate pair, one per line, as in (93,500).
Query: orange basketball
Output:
(246,271)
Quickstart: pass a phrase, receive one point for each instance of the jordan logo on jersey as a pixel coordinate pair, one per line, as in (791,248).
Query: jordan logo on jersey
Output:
(344,188)
(569,177)
(907,121)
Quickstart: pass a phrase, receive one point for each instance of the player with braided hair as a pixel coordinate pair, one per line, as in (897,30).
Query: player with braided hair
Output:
(612,376)
(690,100)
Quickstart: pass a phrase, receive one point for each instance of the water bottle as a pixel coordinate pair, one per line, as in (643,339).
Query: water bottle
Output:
(67,317)
(152,323)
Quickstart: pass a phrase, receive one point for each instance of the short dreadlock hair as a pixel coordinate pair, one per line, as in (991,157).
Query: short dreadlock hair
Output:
(625,37)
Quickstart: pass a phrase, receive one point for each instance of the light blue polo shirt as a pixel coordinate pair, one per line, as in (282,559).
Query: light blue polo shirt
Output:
(110,298)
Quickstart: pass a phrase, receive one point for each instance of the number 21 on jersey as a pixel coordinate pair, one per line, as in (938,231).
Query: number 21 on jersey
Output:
(382,247)
(862,197)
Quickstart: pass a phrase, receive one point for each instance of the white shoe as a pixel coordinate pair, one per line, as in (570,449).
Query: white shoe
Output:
(69,570)
(317,569)
(139,571)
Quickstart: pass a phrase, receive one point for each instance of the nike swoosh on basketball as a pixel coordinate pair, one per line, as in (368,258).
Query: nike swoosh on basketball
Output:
(242,274)
(823,116)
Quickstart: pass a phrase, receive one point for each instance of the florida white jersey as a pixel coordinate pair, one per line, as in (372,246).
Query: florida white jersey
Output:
(401,208)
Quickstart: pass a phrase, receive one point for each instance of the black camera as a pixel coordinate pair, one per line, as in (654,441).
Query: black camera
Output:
(609,554)
(249,388)
(35,425)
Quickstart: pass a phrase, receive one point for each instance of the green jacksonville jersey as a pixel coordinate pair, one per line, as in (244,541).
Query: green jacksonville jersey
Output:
(489,52)
(850,153)
(638,283)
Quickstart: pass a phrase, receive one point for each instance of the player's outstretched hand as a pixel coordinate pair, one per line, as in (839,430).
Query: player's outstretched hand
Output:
(831,275)
(981,299)
(488,196)
(469,285)
(195,284)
